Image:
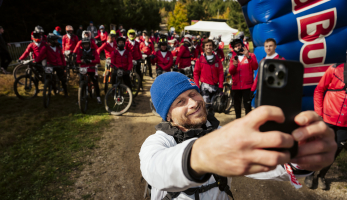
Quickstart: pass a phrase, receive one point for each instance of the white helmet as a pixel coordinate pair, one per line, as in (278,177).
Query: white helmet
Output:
(88,33)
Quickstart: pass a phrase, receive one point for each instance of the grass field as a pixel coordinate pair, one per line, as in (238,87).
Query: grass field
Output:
(40,148)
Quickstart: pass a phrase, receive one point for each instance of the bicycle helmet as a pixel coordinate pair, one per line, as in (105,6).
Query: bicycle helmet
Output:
(36,36)
(85,41)
(86,34)
(102,27)
(162,41)
(39,29)
(121,46)
(123,31)
(52,38)
(131,34)
(69,29)
(188,38)
(113,33)
(215,44)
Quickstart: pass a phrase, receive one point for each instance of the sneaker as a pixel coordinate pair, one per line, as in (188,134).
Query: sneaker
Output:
(321,183)
(99,100)
(309,181)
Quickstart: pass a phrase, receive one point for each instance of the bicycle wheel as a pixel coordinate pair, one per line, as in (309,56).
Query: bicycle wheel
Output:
(227,90)
(106,82)
(135,84)
(118,100)
(28,89)
(83,97)
(19,70)
(152,108)
(47,89)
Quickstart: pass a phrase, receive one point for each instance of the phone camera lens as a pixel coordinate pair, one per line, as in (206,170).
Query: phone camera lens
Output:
(280,75)
(272,68)
(270,80)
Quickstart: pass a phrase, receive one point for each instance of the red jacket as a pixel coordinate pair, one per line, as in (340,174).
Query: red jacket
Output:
(92,64)
(79,45)
(135,50)
(242,75)
(69,43)
(254,86)
(54,58)
(163,62)
(175,51)
(333,106)
(148,50)
(220,54)
(108,48)
(211,74)
(33,48)
(152,38)
(123,62)
(103,37)
(221,45)
(183,57)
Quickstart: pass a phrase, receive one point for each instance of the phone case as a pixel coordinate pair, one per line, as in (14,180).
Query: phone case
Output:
(288,97)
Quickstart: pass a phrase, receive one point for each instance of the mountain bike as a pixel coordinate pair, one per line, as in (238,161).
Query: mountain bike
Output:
(86,87)
(107,74)
(118,98)
(52,83)
(21,69)
(227,90)
(26,86)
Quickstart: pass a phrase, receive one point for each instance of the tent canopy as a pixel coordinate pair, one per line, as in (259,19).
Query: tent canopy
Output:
(215,29)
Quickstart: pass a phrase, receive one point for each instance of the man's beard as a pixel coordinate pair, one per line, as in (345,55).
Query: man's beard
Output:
(197,122)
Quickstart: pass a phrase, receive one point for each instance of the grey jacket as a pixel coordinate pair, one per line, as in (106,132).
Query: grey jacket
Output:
(93,30)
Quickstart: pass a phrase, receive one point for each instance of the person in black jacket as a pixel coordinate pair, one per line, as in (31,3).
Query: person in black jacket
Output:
(4,54)
(79,32)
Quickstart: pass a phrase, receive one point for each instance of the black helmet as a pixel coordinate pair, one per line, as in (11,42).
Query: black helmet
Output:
(215,44)
(220,103)
(235,41)
(123,31)
(121,39)
(51,38)
(85,40)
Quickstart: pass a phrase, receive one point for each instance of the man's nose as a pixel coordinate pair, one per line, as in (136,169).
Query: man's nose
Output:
(192,103)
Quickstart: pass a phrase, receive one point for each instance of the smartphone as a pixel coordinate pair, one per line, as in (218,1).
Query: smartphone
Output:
(281,84)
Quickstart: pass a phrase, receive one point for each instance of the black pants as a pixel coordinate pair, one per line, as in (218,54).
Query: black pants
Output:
(139,72)
(60,74)
(239,96)
(5,59)
(341,139)
(95,81)
(149,66)
(126,79)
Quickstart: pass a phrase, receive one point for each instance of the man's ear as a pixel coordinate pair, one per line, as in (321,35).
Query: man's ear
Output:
(168,117)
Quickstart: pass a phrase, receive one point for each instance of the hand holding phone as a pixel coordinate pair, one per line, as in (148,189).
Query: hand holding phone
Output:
(281,85)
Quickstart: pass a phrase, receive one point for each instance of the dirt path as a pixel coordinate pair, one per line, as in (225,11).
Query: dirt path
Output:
(113,171)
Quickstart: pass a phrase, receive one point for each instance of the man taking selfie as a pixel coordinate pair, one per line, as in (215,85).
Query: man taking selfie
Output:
(190,155)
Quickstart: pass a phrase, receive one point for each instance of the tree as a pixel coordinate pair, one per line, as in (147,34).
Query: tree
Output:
(236,19)
(178,18)
(197,10)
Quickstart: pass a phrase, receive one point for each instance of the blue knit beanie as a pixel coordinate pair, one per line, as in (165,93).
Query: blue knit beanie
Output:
(166,88)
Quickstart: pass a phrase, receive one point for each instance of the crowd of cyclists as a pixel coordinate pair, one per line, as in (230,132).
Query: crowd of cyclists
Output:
(134,52)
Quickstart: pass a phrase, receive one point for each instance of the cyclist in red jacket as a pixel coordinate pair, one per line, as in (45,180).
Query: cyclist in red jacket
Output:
(70,40)
(82,59)
(102,34)
(184,56)
(55,57)
(209,71)
(40,30)
(121,58)
(147,47)
(330,103)
(34,47)
(85,34)
(133,46)
(162,58)
(242,64)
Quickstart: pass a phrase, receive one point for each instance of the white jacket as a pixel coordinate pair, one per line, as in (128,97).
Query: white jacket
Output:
(161,167)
